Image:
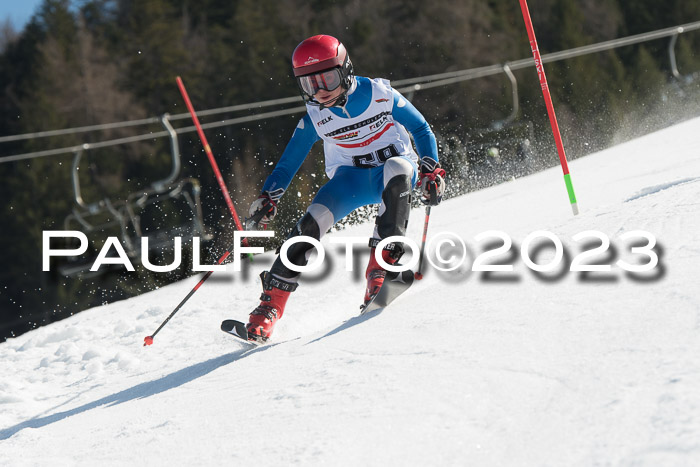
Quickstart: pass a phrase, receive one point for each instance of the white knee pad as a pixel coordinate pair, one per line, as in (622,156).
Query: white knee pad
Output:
(397,166)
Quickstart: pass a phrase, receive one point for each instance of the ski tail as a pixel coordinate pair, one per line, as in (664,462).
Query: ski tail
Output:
(395,283)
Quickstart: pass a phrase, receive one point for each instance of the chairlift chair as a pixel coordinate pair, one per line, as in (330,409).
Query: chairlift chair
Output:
(136,216)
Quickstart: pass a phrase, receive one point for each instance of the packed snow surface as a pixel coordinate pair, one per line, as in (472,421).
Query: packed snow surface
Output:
(466,368)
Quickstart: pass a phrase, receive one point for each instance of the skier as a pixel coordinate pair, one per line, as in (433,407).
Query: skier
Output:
(369,159)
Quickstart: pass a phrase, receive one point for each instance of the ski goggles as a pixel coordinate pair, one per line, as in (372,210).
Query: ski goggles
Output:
(328,80)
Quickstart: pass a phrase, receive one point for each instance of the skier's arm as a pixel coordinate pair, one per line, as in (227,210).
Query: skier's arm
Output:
(293,156)
(407,115)
(432,175)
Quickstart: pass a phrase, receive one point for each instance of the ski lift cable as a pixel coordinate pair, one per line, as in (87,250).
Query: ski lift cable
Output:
(150,136)
(148,121)
(426,82)
(405,85)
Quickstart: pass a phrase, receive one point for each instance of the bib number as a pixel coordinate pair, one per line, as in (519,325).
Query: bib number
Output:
(375,158)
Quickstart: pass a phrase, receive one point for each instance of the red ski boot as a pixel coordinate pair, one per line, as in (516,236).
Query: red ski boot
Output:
(272,301)
(375,274)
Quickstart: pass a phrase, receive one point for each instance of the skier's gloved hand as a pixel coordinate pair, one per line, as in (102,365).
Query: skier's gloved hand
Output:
(265,206)
(432,181)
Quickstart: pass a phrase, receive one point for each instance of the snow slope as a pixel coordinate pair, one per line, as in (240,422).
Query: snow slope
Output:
(464,369)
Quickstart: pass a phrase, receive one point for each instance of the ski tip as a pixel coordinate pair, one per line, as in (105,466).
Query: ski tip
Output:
(229,325)
(148,340)
(237,329)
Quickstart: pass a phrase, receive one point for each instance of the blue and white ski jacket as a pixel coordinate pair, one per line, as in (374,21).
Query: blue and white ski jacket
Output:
(372,127)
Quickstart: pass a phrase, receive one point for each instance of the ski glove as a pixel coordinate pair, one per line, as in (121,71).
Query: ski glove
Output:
(432,181)
(265,206)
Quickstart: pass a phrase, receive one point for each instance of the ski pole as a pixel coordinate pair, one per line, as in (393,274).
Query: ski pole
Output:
(148,340)
(432,189)
(212,161)
(419,275)
(550,106)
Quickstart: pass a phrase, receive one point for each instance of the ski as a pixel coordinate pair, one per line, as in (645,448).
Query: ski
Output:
(237,329)
(395,283)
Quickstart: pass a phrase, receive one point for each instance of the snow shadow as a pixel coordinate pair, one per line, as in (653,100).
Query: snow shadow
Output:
(348,324)
(140,391)
(658,188)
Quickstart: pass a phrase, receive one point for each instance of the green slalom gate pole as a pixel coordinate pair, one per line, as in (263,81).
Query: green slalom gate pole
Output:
(550,106)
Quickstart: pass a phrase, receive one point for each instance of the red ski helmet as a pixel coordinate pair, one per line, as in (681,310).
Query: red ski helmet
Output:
(321,62)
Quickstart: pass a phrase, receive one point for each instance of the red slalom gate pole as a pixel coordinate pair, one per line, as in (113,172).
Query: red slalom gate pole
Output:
(148,340)
(210,156)
(550,107)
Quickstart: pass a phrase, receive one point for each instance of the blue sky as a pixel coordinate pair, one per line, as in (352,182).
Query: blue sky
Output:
(19,11)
